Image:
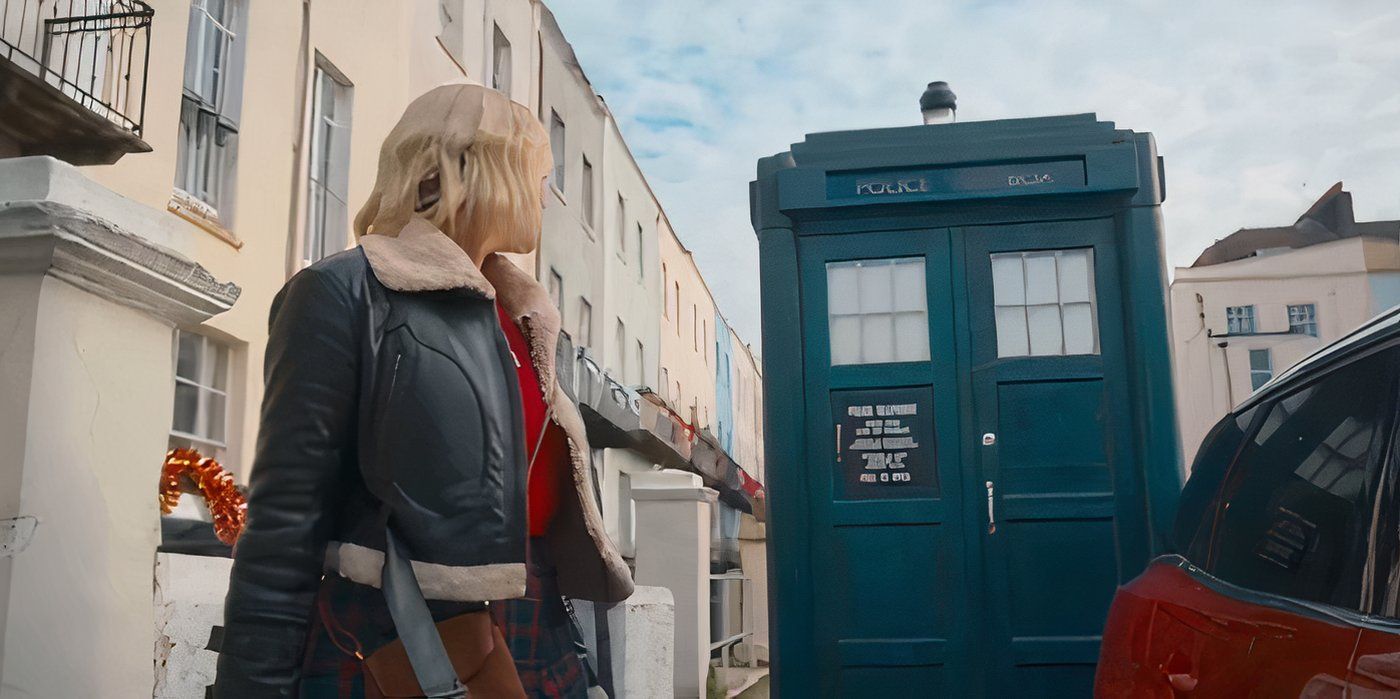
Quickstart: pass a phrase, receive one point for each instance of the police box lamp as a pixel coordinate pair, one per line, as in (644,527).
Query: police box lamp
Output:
(939,104)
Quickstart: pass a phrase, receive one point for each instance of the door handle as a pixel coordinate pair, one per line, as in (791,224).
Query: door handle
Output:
(991,508)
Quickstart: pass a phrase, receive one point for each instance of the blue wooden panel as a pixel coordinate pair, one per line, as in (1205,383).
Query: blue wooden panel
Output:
(1061,575)
(882,682)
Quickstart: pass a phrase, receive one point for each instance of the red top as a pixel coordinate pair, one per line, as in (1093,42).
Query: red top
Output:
(546,483)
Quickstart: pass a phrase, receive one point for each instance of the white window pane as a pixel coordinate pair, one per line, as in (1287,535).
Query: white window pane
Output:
(911,337)
(842,290)
(876,288)
(1044,325)
(214,418)
(877,338)
(187,358)
(1040,279)
(1011,332)
(1008,280)
(1074,276)
(845,339)
(186,408)
(910,293)
(1079,329)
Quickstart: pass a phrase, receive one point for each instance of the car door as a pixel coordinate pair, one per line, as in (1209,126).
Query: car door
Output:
(1287,555)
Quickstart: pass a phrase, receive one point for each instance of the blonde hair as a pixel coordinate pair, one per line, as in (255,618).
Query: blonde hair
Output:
(487,155)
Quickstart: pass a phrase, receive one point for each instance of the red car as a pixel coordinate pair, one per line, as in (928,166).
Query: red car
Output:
(1285,578)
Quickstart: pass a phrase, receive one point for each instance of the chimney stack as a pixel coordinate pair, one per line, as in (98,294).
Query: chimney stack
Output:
(939,104)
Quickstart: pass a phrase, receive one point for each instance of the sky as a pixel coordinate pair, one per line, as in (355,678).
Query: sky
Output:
(1257,107)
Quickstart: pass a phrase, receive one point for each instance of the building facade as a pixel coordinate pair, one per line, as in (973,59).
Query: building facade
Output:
(1258,301)
(253,144)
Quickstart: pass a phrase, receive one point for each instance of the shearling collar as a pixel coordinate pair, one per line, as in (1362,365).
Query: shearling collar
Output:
(423,258)
(527,303)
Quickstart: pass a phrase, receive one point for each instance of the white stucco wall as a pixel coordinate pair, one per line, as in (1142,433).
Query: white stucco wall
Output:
(78,605)
(1339,278)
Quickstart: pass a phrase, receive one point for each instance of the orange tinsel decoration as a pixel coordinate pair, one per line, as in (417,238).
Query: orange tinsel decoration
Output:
(228,506)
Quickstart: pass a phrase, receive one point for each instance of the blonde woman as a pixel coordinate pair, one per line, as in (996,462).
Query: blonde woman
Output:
(411,412)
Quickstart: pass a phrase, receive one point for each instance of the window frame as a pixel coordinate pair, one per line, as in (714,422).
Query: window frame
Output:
(587,194)
(209,354)
(558,152)
(1268,374)
(621,248)
(1300,325)
(500,41)
(322,157)
(1235,317)
(585,323)
(207,140)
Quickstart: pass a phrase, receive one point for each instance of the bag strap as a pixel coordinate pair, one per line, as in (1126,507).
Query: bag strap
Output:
(415,627)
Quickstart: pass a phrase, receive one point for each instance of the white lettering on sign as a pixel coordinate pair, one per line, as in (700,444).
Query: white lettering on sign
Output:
(860,411)
(902,409)
(911,185)
(1022,180)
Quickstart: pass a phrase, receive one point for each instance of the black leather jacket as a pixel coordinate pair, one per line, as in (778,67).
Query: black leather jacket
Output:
(381,408)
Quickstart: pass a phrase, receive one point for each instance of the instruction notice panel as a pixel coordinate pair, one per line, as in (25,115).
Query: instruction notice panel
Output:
(884,443)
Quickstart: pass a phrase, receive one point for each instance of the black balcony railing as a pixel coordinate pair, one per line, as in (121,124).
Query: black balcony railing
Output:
(95,52)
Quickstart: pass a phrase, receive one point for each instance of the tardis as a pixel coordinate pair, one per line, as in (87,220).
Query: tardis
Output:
(970,430)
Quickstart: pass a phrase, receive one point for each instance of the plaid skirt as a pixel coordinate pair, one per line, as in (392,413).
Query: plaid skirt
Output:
(351,620)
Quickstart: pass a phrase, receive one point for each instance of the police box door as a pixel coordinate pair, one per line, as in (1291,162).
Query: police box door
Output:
(1064,517)
(887,549)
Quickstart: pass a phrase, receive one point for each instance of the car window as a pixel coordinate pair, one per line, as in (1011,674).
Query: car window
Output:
(1380,588)
(1197,506)
(1296,512)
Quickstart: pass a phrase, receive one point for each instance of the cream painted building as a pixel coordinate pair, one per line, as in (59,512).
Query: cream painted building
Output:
(256,142)
(687,334)
(1261,299)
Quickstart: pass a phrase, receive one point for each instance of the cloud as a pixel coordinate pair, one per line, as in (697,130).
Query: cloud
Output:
(1257,107)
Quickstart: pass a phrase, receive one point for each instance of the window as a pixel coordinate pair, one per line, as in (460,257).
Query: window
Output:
(677,400)
(556,148)
(620,342)
(641,362)
(641,258)
(1045,303)
(695,327)
(705,340)
(210,104)
(1298,505)
(201,393)
(678,309)
(585,323)
(556,289)
(588,194)
(328,176)
(621,227)
(500,61)
(1239,320)
(877,311)
(666,292)
(665,378)
(1197,506)
(1261,368)
(1302,319)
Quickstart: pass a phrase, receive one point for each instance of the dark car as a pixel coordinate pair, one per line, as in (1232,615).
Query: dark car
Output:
(1284,580)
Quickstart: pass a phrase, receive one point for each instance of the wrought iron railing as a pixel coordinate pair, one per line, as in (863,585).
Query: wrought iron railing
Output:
(96,52)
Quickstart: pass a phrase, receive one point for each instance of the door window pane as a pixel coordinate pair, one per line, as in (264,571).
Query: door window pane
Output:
(1045,303)
(1295,521)
(877,311)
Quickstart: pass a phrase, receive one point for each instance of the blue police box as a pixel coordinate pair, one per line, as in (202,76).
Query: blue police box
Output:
(971,438)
